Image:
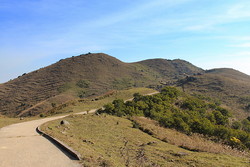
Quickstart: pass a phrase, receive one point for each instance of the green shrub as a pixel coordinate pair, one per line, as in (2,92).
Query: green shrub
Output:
(82,84)
(170,92)
(236,125)
(193,104)
(220,118)
(53,105)
(247,107)
(185,113)
(202,126)
(222,132)
(181,125)
(81,94)
(42,115)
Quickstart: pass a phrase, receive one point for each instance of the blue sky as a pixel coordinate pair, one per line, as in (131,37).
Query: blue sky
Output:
(207,33)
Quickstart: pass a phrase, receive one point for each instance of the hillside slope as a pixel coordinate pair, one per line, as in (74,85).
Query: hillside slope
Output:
(228,86)
(83,76)
(171,69)
(104,140)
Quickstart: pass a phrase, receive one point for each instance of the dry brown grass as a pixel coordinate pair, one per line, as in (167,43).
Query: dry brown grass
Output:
(104,140)
(195,142)
(102,72)
(5,121)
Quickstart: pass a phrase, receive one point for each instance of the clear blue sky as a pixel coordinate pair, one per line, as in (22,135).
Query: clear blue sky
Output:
(207,33)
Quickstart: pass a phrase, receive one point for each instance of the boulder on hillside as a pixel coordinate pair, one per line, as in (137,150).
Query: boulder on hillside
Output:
(64,122)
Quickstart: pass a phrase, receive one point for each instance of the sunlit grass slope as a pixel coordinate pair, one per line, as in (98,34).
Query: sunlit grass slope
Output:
(104,140)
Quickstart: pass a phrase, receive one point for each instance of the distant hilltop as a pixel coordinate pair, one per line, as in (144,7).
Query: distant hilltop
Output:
(90,74)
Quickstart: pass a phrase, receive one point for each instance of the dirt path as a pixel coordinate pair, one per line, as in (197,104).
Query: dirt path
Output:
(22,146)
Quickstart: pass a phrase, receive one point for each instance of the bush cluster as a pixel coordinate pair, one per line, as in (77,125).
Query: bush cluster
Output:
(83,84)
(186,113)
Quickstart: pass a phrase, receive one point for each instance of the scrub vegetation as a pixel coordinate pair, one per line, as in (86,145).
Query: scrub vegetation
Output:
(185,113)
(170,128)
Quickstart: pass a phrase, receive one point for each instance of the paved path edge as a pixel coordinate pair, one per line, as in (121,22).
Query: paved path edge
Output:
(72,153)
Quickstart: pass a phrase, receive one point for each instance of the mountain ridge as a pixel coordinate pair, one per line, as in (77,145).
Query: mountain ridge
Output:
(38,91)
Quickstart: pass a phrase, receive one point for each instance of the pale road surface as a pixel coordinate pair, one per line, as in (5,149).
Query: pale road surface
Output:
(22,146)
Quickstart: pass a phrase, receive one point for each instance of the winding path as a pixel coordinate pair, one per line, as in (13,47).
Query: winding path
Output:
(22,146)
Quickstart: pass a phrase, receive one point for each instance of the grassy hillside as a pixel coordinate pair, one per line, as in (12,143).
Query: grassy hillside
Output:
(87,104)
(112,141)
(188,114)
(227,86)
(78,77)
(171,70)
(202,132)
(5,121)
(91,75)
(194,142)
(77,105)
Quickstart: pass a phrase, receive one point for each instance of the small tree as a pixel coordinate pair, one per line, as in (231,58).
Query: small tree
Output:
(236,125)
(82,84)
(119,107)
(81,94)
(171,92)
(109,108)
(53,105)
(137,97)
(220,119)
